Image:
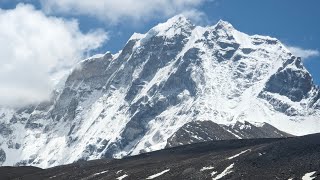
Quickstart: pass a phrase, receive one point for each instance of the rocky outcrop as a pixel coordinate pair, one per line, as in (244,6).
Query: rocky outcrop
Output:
(202,131)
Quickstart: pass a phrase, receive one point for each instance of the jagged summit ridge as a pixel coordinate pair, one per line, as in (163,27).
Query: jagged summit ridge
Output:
(175,74)
(178,24)
(221,24)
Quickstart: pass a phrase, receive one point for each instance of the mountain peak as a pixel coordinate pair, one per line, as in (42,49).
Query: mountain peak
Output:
(178,24)
(178,19)
(224,25)
(136,36)
(174,23)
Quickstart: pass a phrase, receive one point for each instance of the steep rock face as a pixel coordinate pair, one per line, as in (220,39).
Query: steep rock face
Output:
(290,81)
(176,73)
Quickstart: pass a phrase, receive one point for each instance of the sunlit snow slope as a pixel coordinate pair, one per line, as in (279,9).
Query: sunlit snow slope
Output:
(176,73)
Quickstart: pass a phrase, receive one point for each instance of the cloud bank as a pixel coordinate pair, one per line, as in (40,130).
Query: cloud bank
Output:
(113,11)
(34,48)
(303,53)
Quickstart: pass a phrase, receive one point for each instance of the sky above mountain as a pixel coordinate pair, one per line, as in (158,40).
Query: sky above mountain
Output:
(40,40)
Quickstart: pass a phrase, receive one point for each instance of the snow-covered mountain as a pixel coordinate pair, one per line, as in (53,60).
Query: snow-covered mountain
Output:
(177,73)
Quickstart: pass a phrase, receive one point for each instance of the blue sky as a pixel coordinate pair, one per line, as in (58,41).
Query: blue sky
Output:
(99,26)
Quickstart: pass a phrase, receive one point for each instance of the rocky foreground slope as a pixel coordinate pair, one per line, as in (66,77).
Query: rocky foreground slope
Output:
(162,83)
(289,158)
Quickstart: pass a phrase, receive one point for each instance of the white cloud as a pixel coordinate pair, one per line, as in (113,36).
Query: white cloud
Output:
(197,17)
(114,11)
(303,53)
(33,48)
